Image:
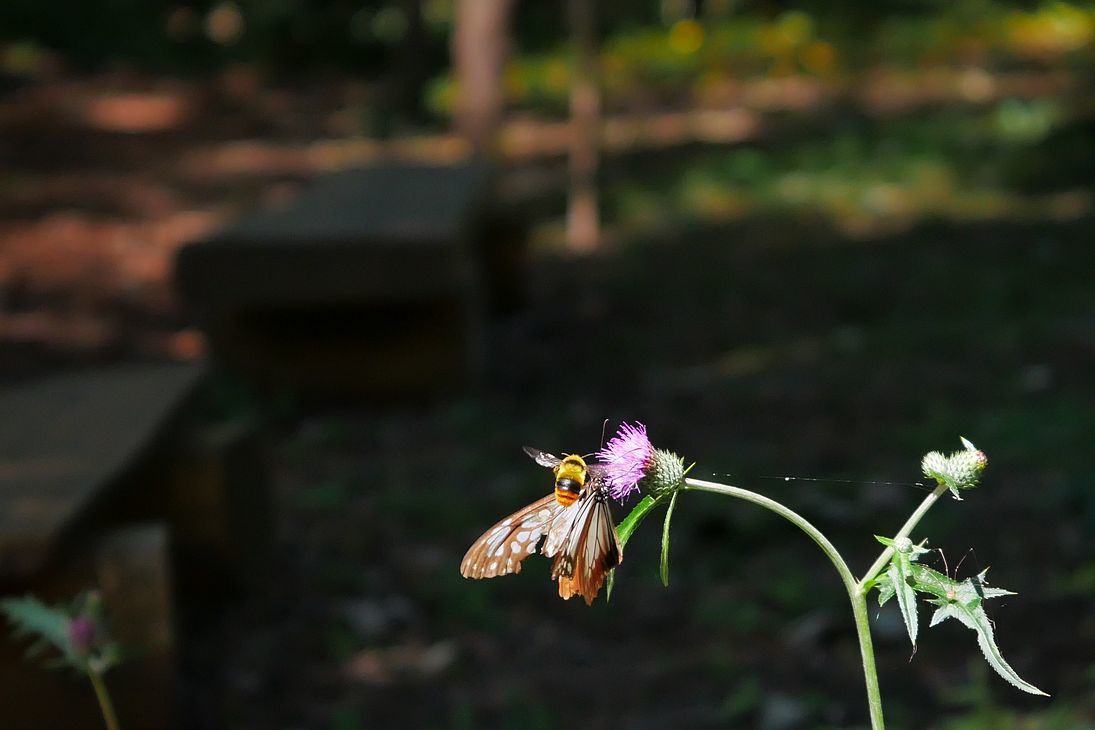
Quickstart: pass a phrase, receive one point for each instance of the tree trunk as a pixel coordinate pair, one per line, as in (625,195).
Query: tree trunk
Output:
(583,219)
(479,48)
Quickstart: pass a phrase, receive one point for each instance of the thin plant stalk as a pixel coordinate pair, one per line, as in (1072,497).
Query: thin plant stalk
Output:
(857,589)
(105,705)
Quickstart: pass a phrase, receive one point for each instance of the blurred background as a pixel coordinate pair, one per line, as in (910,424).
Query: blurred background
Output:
(285,285)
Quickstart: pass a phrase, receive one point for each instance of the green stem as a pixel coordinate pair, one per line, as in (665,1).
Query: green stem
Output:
(906,529)
(105,705)
(856,594)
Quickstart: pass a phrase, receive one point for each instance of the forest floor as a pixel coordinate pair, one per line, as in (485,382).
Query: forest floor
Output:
(798,331)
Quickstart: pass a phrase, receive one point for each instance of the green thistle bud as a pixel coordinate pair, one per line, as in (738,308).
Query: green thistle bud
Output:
(960,470)
(903,545)
(665,473)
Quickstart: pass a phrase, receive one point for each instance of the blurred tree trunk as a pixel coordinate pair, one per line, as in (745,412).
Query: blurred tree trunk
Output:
(479,49)
(583,219)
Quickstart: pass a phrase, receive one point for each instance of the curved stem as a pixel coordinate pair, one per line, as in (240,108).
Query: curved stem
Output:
(788,514)
(856,594)
(105,705)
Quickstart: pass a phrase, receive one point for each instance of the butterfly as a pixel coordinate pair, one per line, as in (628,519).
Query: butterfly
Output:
(574,525)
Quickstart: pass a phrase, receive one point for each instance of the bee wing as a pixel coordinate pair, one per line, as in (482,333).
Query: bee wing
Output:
(501,549)
(543,458)
(591,547)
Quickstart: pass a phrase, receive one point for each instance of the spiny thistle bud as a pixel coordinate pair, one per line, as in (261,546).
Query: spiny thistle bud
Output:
(665,474)
(960,470)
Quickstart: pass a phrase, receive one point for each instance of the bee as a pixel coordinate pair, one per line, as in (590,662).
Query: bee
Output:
(573,523)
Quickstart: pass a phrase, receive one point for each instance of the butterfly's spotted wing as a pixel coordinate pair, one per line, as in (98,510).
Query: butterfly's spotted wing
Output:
(590,547)
(501,549)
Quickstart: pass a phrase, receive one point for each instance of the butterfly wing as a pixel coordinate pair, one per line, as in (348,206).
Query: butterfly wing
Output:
(590,549)
(501,549)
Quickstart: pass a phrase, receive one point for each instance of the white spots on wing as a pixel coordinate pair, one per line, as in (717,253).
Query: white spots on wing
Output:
(494,566)
(507,522)
(543,515)
(515,546)
(501,549)
(522,536)
(497,536)
(531,548)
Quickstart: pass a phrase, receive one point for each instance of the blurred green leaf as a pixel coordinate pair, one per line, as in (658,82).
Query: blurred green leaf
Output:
(665,539)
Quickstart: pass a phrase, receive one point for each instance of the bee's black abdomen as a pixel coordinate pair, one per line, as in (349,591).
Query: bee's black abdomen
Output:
(566,484)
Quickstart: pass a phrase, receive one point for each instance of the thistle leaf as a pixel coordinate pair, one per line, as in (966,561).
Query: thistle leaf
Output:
(973,616)
(626,528)
(665,539)
(31,617)
(900,575)
(886,589)
(962,600)
(629,524)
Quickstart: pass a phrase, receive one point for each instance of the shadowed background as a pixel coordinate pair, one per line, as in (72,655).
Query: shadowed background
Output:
(818,239)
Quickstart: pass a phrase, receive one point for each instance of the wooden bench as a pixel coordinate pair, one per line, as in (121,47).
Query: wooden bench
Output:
(375,281)
(108,481)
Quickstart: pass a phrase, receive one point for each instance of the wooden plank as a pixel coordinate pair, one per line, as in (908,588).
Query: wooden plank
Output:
(371,282)
(392,232)
(65,440)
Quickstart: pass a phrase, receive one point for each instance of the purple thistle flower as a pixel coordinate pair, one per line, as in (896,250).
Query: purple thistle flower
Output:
(626,459)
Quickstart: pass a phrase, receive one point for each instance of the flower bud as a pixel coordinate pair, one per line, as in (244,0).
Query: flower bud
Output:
(960,470)
(665,474)
(83,633)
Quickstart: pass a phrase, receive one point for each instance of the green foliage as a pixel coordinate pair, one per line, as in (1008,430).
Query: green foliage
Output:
(957,599)
(698,60)
(77,632)
(627,528)
(665,540)
(32,618)
(962,600)
(901,581)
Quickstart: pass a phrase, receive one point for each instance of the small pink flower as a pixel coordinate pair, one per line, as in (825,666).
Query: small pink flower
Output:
(82,635)
(626,459)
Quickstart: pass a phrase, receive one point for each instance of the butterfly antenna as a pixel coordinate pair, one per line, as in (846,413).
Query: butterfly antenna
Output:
(603,427)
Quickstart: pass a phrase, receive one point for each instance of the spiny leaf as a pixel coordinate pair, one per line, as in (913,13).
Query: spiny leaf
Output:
(899,573)
(665,539)
(962,600)
(973,616)
(31,617)
(626,528)
(886,589)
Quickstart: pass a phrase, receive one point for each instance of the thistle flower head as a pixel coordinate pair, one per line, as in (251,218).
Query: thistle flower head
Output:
(625,459)
(631,463)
